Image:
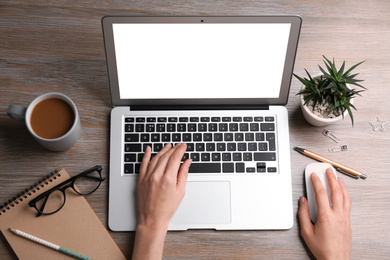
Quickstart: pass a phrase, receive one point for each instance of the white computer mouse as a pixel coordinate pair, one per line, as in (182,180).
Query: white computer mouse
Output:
(320,170)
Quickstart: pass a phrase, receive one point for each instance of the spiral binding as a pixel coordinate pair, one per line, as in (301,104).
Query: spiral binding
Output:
(28,191)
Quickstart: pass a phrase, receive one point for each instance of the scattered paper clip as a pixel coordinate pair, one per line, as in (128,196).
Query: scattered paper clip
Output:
(329,134)
(338,148)
(379,128)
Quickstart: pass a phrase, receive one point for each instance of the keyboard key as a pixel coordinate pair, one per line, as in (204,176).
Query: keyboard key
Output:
(137,166)
(237,157)
(194,119)
(166,137)
(223,127)
(205,156)
(210,147)
(231,147)
(240,167)
(221,147)
(249,137)
(181,127)
(269,119)
(218,137)
(252,146)
(226,119)
(172,119)
(140,119)
(129,168)
(197,137)
(271,140)
(238,137)
(237,119)
(155,137)
(248,119)
(205,119)
(241,146)
(140,128)
(259,119)
(151,119)
(176,137)
(228,137)
(215,156)
(129,128)
(205,168)
(190,147)
(202,127)
(199,147)
(145,138)
(131,138)
(207,137)
(213,127)
(267,127)
(192,128)
(129,119)
(185,157)
(160,128)
(195,157)
(162,119)
(263,147)
(187,137)
(247,157)
(132,148)
(183,119)
(244,127)
(260,167)
(171,128)
(226,157)
(265,157)
(150,128)
(130,157)
(271,169)
(260,137)
(250,169)
(254,127)
(228,167)
(157,147)
(233,127)
(215,119)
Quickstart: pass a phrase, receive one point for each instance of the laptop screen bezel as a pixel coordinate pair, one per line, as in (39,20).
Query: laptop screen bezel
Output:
(107,24)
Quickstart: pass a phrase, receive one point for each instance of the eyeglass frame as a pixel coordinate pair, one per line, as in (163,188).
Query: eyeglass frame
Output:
(58,187)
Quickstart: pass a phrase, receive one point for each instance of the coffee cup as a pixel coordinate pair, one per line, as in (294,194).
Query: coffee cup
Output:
(52,119)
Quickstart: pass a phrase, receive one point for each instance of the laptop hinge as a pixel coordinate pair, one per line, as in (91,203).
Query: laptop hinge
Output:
(199,107)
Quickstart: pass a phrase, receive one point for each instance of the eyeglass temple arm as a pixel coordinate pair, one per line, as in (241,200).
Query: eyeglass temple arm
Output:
(43,206)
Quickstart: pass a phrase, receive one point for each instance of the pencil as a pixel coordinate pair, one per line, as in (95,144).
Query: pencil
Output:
(48,244)
(342,168)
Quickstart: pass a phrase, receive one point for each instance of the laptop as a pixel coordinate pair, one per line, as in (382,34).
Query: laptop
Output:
(219,84)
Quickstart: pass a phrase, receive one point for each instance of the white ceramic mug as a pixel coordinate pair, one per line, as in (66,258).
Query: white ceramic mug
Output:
(61,143)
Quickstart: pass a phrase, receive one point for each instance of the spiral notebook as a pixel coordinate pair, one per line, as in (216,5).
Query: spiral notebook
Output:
(75,227)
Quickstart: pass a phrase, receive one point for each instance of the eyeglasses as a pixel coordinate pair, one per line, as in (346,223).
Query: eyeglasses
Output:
(53,200)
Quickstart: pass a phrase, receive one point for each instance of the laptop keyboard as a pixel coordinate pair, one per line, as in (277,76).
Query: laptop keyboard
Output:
(215,144)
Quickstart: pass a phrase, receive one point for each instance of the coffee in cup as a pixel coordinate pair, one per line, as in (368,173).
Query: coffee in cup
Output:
(52,119)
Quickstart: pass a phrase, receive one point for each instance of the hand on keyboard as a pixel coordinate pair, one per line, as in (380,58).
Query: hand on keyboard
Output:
(161,188)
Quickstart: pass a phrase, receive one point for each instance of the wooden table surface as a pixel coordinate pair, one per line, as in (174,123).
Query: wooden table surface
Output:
(58,46)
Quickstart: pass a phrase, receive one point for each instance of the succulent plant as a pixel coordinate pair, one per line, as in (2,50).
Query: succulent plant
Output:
(332,87)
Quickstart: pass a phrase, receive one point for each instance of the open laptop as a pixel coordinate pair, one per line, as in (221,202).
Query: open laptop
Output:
(218,84)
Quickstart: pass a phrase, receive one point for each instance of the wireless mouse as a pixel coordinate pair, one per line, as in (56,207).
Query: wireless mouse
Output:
(320,170)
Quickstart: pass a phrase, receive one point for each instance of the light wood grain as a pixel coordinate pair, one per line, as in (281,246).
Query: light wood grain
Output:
(58,46)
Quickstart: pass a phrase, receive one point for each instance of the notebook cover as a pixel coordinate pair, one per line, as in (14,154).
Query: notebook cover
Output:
(75,227)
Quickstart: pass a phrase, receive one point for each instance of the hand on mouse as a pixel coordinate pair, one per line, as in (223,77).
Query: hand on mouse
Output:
(161,188)
(331,236)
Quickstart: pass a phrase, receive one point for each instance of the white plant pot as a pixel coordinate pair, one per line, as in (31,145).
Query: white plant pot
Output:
(316,120)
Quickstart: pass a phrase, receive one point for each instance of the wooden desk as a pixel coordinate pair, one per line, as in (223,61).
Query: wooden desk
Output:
(52,46)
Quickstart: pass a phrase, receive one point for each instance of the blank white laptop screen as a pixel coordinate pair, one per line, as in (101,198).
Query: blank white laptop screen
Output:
(215,59)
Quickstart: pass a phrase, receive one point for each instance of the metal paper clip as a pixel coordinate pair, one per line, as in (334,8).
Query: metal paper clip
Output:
(381,127)
(329,134)
(338,148)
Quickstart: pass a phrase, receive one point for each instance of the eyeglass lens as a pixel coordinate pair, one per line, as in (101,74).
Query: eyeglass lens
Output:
(88,183)
(53,202)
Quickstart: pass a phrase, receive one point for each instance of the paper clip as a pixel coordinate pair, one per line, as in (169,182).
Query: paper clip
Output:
(381,127)
(329,134)
(338,149)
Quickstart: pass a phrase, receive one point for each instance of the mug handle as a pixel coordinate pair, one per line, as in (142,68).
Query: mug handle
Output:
(17,112)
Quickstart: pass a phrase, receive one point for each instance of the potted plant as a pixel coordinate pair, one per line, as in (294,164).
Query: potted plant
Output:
(326,98)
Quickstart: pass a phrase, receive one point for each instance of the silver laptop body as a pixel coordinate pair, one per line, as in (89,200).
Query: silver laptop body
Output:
(220,85)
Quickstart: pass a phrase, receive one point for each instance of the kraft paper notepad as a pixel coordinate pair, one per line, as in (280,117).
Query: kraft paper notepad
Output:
(75,227)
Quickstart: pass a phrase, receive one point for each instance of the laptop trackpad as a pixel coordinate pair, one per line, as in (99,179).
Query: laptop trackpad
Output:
(204,203)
